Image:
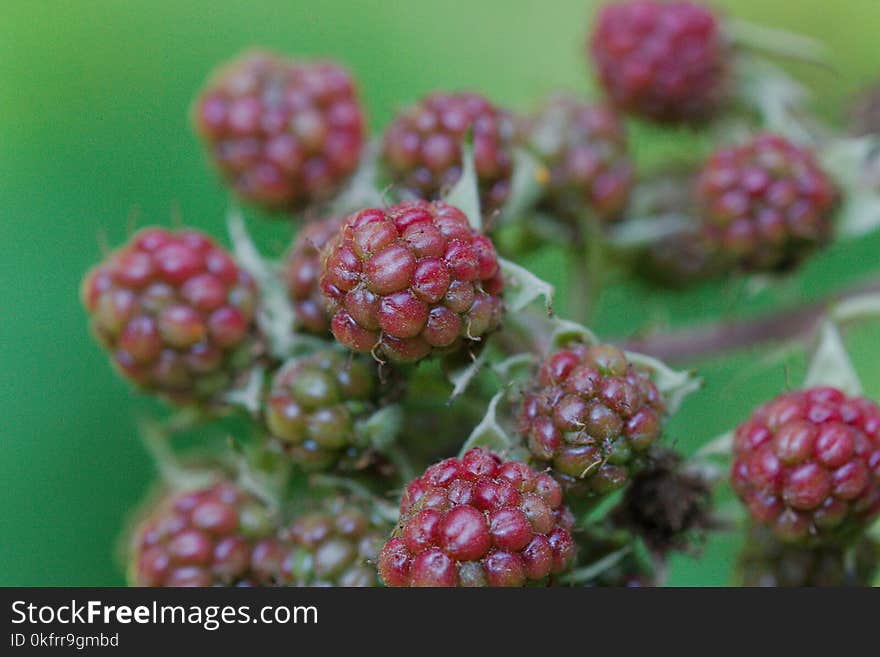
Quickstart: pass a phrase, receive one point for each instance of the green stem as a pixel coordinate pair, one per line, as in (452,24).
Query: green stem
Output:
(156,436)
(586,270)
(399,458)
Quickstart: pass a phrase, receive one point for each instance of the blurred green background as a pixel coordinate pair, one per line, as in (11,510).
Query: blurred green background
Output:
(93,131)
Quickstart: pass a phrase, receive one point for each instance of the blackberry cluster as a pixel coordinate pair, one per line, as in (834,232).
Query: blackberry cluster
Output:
(215,536)
(807,465)
(175,312)
(478,521)
(765,205)
(767,562)
(583,146)
(302,273)
(284,133)
(335,546)
(423,146)
(591,416)
(665,61)
(314,405)
(411,280)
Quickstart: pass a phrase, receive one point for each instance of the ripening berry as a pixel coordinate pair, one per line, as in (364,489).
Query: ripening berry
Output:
(591,416)
(411,280)
(765,205)
(479,521)
(665,61)
(336,545)
(807,465)
(314,405)
(175,312)
(302,272)
(220,535)
(283,133)
(768,562)
(422,147)
(583,146)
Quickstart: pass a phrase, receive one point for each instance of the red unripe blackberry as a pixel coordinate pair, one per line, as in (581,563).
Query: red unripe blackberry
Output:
(583,145)
(302,272)
(220,535)
(665,61)
(478,521)
(411,280)
(423,146)
(765,205)
(335,546)
(175,312)
(591,416)
(314,404)
(807,465)
(767,562)
(283,133)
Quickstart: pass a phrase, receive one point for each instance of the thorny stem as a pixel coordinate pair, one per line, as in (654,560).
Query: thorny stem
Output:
(691,344)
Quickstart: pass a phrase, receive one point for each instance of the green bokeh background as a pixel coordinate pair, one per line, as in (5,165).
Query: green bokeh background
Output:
(93,131)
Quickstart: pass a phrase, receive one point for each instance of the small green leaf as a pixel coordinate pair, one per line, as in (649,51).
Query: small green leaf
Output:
(674,385)
(859,215)
(275,315)
(465,194)
(776,41)
(381,429)
(489,433)
(831,364)
(720,446)
(643,231)
(855,166)
(522,287)
(249,395)
(778,99)
(362,190)
(862,306)
(565,331)
(526,186)
(462,378)
(589,573)
(511,367)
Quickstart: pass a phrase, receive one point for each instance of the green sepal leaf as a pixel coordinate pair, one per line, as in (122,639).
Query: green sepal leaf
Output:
(777,98)
(513,367)
(588,573)
(489,433)
(248,395)
(855,166)
(644,231)
(674,385)
(461,378)
(362,190)
(566,331)
(526,186)
(275,316)
(831,364)
(522,287)
(465,194)
(381,429)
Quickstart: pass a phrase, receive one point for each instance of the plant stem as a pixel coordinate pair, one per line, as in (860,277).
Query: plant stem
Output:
(156,436)
(691,344)
(585,270)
